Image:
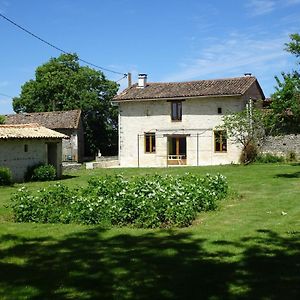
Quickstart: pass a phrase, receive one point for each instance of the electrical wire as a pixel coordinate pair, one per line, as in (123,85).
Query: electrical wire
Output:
(125,75)
(59,49)
(5,95)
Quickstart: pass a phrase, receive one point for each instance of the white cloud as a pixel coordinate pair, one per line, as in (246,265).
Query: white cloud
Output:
(263,7)
(260,7)
(291,2)
(236,55)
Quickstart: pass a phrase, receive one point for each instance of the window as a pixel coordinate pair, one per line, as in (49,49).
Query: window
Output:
(219,110)
(176,110)
(220,141)
(149,142)
(25,148)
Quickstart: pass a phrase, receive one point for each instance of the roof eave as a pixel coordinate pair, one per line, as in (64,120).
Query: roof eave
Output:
(33,138)
(175,98)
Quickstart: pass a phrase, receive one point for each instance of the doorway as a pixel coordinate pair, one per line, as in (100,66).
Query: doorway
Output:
(177,150)
(52,154)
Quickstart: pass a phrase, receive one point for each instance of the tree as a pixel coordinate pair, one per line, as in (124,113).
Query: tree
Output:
(246,128)
(294,45)
(286,99)
(62,84)
(2,119)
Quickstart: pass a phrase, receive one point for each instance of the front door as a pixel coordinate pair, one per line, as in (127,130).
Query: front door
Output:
(52,154)
(177,150)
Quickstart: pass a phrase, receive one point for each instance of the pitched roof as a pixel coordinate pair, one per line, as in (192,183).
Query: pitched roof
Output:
(28,131)
(54,120)
(201,88)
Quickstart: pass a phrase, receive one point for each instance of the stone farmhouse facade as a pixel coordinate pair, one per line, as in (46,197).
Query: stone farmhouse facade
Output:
(65,122)
(177,123)
(26,145)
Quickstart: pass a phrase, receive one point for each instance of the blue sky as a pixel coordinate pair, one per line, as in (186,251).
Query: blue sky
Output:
(170,40)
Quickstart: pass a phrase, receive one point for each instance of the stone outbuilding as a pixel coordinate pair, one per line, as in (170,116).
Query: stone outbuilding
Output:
(26,145)
(66,122)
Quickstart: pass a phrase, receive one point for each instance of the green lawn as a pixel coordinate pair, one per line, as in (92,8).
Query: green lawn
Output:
(247,249)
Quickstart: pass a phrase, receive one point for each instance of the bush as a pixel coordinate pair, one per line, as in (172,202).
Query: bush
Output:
(47,206)
(269,158)
(249,153)
(5,176)
(149,202)
(291,156)
(2,119)
(40,172)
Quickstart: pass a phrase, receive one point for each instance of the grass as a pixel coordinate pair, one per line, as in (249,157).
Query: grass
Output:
(247,249)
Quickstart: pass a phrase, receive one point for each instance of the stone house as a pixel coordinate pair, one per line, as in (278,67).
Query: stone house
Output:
(26,145)
(163,124)
(65,122)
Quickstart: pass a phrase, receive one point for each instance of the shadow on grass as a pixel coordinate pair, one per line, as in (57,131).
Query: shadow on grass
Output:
(68,176)
(158,265)
(289,175)
(297,164)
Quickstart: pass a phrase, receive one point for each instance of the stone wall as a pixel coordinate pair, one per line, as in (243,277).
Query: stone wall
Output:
(199,119)
(282,145)
(103,162)
(18,155)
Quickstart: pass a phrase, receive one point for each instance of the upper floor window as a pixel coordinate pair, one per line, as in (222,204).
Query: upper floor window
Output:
(176,110)
(25,148)
(220,138)
(149,142)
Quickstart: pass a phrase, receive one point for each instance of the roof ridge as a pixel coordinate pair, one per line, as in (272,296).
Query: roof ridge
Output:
(232,86)
(200,80)
(56,119)
(44,112)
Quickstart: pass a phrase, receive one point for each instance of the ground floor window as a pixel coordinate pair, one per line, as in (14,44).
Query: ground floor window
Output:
(150,142)
(220,139)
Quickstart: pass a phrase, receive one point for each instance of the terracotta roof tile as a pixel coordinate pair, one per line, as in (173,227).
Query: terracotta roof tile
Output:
(28,131)
(201,88)
(54,120)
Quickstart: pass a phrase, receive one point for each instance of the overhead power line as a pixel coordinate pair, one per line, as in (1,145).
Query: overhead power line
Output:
(125,75)
(5,95)
(57,48)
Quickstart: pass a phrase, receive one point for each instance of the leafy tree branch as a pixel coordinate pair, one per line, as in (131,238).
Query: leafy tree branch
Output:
(62,84)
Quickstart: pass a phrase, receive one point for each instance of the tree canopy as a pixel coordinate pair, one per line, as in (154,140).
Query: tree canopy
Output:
(294,45)
(246,128)
(2,119)
(286,98)
(62,84)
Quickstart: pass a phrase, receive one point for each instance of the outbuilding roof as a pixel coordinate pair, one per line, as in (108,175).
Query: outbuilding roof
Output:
(28,131)
(201,88)
(53,120)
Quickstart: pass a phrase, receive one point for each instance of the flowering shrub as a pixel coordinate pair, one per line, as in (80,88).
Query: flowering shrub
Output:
(149,202)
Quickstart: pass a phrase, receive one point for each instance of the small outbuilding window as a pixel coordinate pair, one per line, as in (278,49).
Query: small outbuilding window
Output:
(25,148)
(219,110)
